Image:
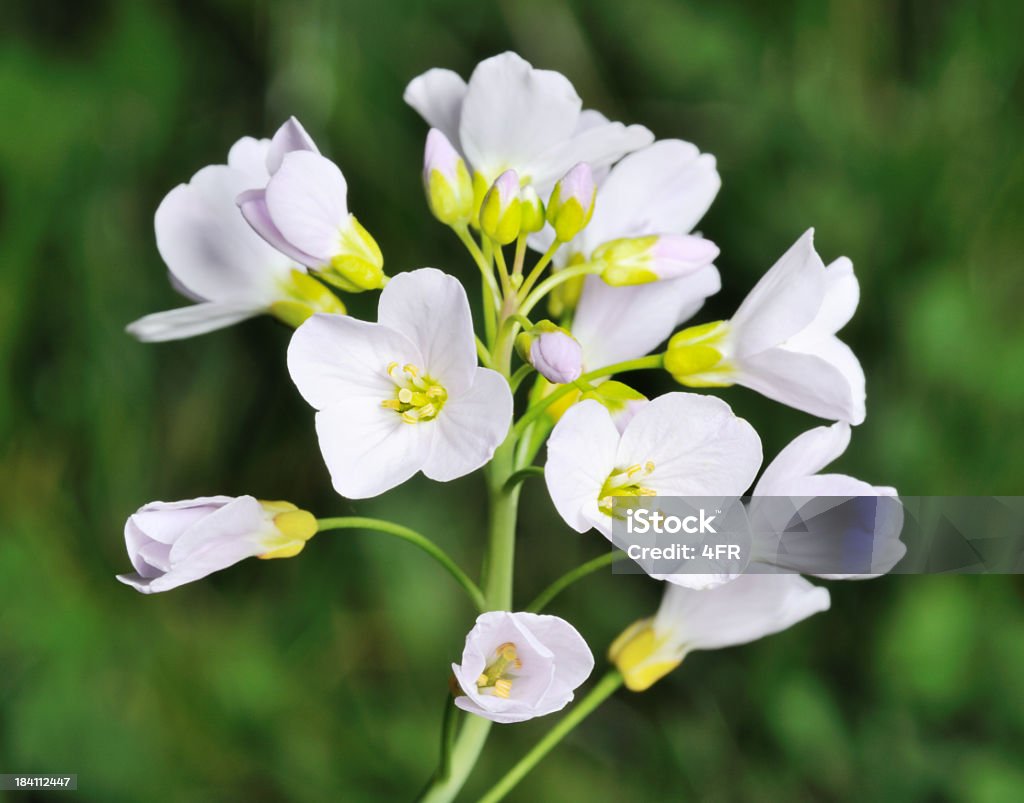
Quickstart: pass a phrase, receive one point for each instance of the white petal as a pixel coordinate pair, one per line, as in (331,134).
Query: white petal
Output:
(249,156)
(581,456)
(806,455)
(209,247)
(198,319)
(614,324)
(253,206)
(808,382)
(784,301)
(333,358)
(431,309)
(750,607)
(307,200)
(663,189)
(573,659)
(470,427)
(699,447)
(291,136)
(597,145)
(842,294)
(513,113)
(368,449)
(437,95)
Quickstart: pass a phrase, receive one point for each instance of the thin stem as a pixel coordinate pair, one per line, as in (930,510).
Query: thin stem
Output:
(414,538)
(506,281)
(483,353)
(544,597)
(534,412)
(492,294)
(597,695)
(517,265)
(524,474)
(521,373)
(538,269)
(550,283)
(462,759)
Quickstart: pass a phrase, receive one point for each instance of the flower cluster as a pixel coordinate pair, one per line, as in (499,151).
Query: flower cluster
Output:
(513,160)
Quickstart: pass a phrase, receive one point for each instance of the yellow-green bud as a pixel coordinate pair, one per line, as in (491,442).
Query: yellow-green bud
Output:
(532,210)
(305,296)
(572,202)
(446,181)
(641,656)
(294,528)
(501,210)
(639,260)
(359,264)
(696,356)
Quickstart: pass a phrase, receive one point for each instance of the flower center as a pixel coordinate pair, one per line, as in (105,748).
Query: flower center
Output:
(625,482)
(417,396)
(495,678)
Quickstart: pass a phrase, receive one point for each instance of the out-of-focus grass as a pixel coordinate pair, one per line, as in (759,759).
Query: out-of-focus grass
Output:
(894,128)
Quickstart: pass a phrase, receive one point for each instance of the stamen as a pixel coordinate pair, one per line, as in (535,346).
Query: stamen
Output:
(503,688)
(418,398)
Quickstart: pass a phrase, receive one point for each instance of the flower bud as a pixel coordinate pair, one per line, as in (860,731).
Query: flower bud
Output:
(501,210)
(446,181)
(641,656)
(619,399)
(639,260)
(572,202)
(555,353)
(695,356)
(359,264)
(532,210)
(305,296)
(173,543)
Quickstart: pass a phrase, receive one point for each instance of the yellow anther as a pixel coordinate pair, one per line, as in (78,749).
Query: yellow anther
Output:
(392,404)
(482,680)
(503,688)
(405,396)
(507,651)
(417,397)
(634,469)
(408,418)
(392,366)
(411,370)
(649,467)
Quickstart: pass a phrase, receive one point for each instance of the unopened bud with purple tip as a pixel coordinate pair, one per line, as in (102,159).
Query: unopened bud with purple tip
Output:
(555,353)
(572,202)
(639,260)
(501,210)
(446,181)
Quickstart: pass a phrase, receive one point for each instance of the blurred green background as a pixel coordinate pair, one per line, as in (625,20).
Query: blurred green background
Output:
(895,128)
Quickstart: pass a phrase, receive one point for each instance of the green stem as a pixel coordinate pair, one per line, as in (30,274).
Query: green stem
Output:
(414,538)
(462,759)
(524,474)
(605,687)
(544,597)
(483,353)
(550,283)
(492,294)
(506,281)
(538,269)
(521,373)
(532,414)
(517,265)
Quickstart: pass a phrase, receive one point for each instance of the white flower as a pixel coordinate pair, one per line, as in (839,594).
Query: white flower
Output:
(749,608)
(517,666)
(782,340)
(511,116)
(216,259)
(679,444)
(873,540)
(404,394)
(664,189)
(173,543)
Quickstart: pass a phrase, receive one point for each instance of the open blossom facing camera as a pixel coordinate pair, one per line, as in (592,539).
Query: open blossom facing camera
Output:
(216,259)
(404,394)
(782,340)
(173,543)
(517,666)
(679,444)
(749,608)
(511,116)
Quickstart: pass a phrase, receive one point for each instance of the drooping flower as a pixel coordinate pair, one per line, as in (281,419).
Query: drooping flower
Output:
(659,192)
(749,608)
(404,394)
(173,543)
(303,212)
(216,259)
(511,116)
(517,666)
(870,539)
(679,444)
(782,340)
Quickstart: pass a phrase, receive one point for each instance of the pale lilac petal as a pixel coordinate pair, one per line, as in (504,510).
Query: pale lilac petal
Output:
(335,358)
(307,200)
(470,427)
(599,145)
(437,95)
(253,206)
(806,455)
(290,137)
(249,156)
(183,322)
(431,309)
(581,457)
